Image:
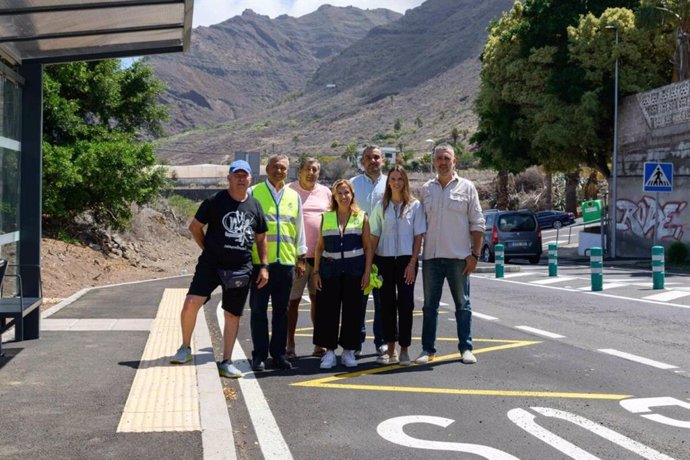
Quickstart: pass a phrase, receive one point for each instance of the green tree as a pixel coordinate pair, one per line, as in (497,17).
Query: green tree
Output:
(397,125)
(674,17)
(94,163)
(546,94)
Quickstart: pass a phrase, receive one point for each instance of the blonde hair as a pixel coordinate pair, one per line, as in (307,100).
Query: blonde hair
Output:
(354,208)
(388,193)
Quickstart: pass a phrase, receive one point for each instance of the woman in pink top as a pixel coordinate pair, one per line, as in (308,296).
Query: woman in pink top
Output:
(316,199)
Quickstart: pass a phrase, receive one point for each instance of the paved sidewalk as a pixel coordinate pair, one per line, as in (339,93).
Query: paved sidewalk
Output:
(97,384)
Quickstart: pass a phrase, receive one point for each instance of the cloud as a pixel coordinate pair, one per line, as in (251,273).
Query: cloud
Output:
(208,12)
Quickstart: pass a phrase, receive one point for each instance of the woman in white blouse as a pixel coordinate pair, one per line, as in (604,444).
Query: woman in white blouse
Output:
(398,225)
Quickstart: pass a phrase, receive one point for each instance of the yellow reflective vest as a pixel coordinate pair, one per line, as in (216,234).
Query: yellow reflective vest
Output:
(282,221)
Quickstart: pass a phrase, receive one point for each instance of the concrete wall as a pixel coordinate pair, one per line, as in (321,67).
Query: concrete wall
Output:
(653,127)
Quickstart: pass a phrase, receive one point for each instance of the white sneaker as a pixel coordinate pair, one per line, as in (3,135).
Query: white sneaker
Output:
(468,357)
(393,358)
(348,358)
(425,357)
(328,360)
(382,350)
(228,370)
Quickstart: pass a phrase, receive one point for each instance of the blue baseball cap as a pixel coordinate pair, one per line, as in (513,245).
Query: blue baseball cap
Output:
(240,165)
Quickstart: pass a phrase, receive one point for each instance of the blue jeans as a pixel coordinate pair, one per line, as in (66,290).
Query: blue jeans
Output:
(278,289)
(434,271)
(378,325)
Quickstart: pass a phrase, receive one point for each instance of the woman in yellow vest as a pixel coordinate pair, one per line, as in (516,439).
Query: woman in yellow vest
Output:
(342,266)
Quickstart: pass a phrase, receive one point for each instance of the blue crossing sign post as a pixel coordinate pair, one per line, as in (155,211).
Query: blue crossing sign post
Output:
(658,177)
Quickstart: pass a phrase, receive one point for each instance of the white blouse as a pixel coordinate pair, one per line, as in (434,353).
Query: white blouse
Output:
(396,232)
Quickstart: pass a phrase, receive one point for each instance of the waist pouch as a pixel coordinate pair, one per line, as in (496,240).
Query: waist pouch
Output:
(233,279)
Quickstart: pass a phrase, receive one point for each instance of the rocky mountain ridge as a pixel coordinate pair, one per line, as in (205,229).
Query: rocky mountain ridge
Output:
(422,69)
(246,63)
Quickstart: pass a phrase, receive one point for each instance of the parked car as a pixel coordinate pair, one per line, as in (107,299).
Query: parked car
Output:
(518,232)
(555,219)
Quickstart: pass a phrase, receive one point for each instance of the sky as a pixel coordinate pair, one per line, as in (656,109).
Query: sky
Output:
(209,12)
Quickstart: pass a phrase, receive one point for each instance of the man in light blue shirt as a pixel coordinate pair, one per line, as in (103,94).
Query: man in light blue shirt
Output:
(369,188)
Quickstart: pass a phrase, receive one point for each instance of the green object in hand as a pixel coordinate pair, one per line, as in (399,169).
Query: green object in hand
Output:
(375,280)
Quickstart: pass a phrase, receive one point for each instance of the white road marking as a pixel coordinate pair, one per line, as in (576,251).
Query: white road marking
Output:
(271,440)
(483,316)
(552,280)
(597,293)
(604,286)
(525,420)
(667,295)
(517,274)
(637,359)
(393,430)
(540,332)
(97,324)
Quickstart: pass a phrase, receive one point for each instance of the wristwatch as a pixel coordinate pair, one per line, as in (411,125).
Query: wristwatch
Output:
(476,257)
(263,266)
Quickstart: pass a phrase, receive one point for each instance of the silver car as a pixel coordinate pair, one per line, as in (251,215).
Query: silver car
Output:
(518,232)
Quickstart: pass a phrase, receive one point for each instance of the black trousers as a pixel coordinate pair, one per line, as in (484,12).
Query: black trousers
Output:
(397,299)
(339,295)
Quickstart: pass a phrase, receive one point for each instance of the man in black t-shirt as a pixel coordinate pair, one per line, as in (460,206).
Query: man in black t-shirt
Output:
(233,221)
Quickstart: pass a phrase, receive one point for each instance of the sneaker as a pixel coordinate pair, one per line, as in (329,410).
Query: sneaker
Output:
(405,359)
(387,358)
(468,357)
(258,365)
(425,357)
(227,370)
(358,353)
(328,360)
(382,350)
(348,358)
(183,355)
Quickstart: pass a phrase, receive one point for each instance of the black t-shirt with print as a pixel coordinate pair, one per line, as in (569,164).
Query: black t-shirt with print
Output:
(231,228)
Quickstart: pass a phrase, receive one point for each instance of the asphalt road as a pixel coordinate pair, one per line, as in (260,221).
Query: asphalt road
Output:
(563,373)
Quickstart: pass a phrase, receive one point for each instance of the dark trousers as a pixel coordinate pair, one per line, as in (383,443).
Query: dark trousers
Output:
(338,295)
(278,289)
(397,300)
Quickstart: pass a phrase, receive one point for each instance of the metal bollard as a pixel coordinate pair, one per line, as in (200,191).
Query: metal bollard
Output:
(658,267)
(498,257)
(596,262)
(553,259)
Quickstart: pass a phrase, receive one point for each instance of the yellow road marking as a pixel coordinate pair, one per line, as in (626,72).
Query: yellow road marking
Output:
(336,381)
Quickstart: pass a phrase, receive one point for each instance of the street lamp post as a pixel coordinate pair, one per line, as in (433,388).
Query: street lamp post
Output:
(614,160)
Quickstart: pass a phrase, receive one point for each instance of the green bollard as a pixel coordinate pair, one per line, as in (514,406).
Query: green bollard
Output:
(500,268)
(596,262)
(553,259)
(658,267)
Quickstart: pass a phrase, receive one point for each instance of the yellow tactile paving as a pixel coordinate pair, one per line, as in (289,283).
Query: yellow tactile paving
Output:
(164,397)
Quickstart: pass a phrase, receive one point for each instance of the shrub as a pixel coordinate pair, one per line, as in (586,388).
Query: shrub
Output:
(677,252)
(183,208)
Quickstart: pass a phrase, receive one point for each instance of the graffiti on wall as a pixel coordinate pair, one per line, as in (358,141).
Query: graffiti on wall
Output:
(640,218)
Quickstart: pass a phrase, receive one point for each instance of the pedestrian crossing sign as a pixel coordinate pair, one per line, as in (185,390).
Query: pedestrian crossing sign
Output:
(658,177)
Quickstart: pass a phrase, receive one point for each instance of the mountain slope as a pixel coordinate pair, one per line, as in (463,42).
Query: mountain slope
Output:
(422,69)
(248,62)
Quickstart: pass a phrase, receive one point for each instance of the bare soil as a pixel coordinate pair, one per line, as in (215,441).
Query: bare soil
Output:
(157,246)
